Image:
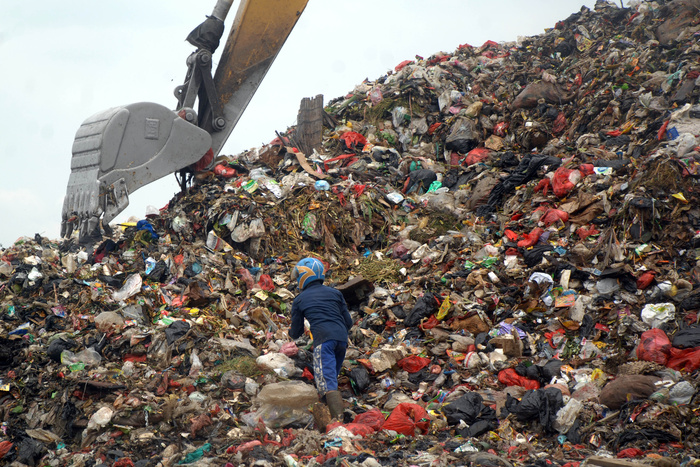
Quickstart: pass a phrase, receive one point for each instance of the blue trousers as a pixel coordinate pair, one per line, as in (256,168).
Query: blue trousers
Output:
(328,361)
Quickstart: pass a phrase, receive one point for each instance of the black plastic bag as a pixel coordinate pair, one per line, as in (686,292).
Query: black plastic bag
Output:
(159,272)
(176,331)
(524,172)
(57,346)
(470,408)
(424,307)
(419,180)
(477,428)
(359,379)
(539,404)
(463,136)
(687,338)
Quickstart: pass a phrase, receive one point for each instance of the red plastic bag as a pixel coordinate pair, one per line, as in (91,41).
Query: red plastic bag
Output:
(654,346)
(357,429)
(353,139)
(586,169)
(406,418)
(430,324)
(224,171)
(512,236)
(684,359)
(372,418)
(501,128)
(403,64)
(559,124)
(584,232)
(554,215)
(509,377)
(266,283)
(562,183)
(544,186)
(630,453)
(204,162)
(413,364)
(531,239)
(246,277)
(476,155)
(645,280)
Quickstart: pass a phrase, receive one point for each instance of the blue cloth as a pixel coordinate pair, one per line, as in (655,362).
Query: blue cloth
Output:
(328,361)
(325,309)
(145,225)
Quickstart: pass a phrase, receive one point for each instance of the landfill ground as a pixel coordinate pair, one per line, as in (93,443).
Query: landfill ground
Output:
(514,226)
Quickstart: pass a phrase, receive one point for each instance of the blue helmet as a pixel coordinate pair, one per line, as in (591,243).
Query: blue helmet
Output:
(308,270)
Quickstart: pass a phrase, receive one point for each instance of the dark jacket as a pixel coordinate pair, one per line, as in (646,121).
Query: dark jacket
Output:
(325,309)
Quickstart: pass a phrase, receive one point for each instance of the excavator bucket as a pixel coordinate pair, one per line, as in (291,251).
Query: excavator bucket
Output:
(120,150)
(124,148)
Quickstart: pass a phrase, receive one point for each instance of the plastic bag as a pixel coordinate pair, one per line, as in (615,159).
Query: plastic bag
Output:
(109,321)
(88,357)
(626,388)
(567,415)
(406,418)
(656,314)
(564,180)
(279,363)
(468,408)
(243,232)
(531,239)
(424,307)
(131,287)
(266,283)
(542,404)
(359,379)
(554,215)
(654,346)
(373,418)
(510,377)
(356,429)
(684,359)
(353,140)
(276,416)
(687,338)
(476,155)
(463,136)
(413,364)
(247,278)
(289,349)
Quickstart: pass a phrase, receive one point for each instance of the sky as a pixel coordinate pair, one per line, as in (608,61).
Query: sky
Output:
(64,61)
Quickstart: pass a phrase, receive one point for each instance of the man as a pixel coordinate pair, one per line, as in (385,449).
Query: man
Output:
(327,313)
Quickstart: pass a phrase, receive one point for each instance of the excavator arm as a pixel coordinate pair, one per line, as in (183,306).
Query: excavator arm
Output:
(120,150)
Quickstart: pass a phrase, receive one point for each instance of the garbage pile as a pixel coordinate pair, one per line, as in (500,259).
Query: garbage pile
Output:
(514,228)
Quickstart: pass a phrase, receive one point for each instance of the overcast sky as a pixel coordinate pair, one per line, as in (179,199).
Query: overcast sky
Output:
(64,61)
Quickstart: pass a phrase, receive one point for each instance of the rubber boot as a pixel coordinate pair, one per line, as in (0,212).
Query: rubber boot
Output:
(335,403)
(322,416)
